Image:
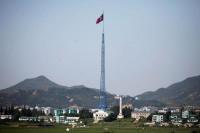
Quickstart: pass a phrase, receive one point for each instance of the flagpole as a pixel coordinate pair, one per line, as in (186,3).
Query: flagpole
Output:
(103,105)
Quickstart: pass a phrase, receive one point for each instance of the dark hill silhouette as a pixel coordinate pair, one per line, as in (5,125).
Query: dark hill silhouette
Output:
(186,92)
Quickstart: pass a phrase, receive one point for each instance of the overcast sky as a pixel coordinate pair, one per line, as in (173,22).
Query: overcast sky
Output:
(149,43)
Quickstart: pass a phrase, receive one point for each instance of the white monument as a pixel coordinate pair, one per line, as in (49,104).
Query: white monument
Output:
(120,115)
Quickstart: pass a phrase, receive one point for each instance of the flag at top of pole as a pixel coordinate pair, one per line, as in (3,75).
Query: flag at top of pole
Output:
(99,19)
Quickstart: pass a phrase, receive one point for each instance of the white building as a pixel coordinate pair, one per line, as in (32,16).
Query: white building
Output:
(37,108)
(59,119)
(59,115)
(157,118)
(185,114)
(99,115)
(164,110)
(175,110)
(72,120)
(3,117)
(27,118)
(146,109)
(138,115)
(47,110)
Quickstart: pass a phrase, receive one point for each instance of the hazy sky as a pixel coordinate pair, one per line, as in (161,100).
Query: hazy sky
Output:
(149,43)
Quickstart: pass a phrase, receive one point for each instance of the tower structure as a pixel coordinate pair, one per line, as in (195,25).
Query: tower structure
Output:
(102,104)
(102,97)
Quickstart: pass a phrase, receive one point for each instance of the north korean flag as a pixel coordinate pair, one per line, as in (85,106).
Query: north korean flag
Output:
(99,19)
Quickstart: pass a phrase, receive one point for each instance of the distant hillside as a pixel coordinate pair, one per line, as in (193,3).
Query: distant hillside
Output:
(38,83)
(41,91)
(186,92)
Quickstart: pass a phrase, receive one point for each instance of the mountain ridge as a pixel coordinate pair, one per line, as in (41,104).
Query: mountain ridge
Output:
(40,82)
(44,92)
(184,92)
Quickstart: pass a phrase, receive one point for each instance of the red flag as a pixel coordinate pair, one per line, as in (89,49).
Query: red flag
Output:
(99,19)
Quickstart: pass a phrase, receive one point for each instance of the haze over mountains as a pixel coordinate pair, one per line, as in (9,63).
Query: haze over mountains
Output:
(43,92)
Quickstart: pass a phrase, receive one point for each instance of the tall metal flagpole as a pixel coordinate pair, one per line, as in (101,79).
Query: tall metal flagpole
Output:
(103,105)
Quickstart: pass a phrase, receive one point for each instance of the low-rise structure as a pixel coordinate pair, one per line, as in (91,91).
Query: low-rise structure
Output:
(72,120)
(140,114)
(175,110)
(59,119)
(46,110)
(45,118)
(163,110)
(26,118)
(143,109)
(99,115)
(157,118)
(61,115)
(150,109)
(4,117)
(176,118)
(192,119)
(185,114)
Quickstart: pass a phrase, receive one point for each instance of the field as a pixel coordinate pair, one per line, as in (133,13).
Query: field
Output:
(113,127)
(96,130)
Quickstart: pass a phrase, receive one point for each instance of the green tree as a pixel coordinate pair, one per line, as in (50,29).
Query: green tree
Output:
(85,113)
(1,110)
(6,111)
(111,117)
(167,116)
(126,112)
(28,112)
(12,110)
(115,110)
(16,115)
(149,118)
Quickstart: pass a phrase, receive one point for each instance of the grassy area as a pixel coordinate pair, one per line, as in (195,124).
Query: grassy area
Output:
(96,130)
(125,126)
